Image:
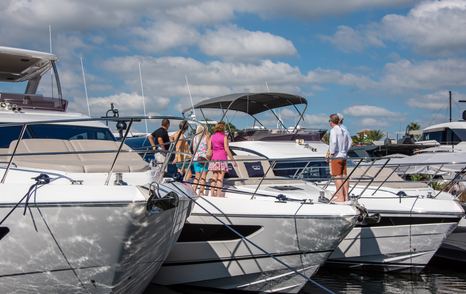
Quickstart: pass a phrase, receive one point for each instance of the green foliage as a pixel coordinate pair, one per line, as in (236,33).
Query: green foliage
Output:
(365,137)
(413,126)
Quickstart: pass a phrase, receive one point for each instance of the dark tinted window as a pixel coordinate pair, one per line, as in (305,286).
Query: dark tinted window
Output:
(8,134)
(447,136)
(438,136)
(64,132)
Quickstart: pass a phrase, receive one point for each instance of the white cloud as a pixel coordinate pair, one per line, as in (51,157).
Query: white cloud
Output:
(372,123)
(128,104)
(369,110)
(203,12)
(431,74)
(319,120)
(431,27)
(207,79)
(233,42)
(349,40)
(329,76)
(314,9)
(435,27)
(164,36)
(371,116)
(434,101)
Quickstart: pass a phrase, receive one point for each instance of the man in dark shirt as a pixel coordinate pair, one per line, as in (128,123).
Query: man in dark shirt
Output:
(159,138)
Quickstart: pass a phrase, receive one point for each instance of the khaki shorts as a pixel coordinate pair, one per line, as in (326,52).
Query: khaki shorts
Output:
(338,167)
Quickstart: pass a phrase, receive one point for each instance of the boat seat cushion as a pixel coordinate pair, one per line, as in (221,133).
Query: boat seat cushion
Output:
(72,160)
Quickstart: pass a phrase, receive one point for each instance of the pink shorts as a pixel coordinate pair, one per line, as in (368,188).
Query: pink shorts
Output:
(218,166)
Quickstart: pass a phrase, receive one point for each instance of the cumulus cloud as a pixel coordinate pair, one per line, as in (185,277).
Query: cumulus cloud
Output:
(371,116)
(164,36)
(207,79)
(431,27)
(233,42)
(350,40)
(434,101)
(314,9)
(331,76)
(431,74)
(371,123)
(369,110)
(435,27)
(319,120)
(128,104)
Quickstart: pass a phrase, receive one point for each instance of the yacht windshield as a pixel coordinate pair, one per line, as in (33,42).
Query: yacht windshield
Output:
(446,136)
(47,131)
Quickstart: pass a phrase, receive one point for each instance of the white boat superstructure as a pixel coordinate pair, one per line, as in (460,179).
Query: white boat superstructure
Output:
(80,212)
(282,216)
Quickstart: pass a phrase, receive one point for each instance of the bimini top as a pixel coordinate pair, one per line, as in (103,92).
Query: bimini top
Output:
(250,103)
(18,65)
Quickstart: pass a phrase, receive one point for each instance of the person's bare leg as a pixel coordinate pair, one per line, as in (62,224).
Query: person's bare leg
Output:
(339,196)
(196,181)
(213,184)
(202,182)
(220,176)
(346,188)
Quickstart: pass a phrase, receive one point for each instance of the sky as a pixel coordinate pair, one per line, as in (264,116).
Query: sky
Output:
(382,63)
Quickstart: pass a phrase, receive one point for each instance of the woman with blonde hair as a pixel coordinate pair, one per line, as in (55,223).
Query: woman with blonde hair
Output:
(220,150)
(182,155)
(200,164)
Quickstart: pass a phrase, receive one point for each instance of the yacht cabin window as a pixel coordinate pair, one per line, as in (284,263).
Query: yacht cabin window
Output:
(446,136)
(47,131)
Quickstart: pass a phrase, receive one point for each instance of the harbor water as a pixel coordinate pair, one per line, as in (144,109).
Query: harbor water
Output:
(436,278)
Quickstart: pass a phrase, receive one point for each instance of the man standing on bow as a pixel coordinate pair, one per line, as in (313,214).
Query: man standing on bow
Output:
(339,145)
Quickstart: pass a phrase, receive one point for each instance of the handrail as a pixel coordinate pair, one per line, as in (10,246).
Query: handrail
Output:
(25,125)
(21,135)
(118,152)
(263,177)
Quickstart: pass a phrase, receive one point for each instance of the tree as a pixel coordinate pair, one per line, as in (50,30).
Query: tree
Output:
(413,126)
(412,129)
(365,137)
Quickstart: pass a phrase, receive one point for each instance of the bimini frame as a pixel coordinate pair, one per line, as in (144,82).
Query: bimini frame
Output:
(252,104)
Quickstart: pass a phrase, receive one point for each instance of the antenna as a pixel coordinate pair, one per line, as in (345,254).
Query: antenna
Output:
(85,86)
(142,94)
(190,97)
(449,92)
(51,51)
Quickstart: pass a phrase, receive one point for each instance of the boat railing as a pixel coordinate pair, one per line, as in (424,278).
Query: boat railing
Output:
(121,143)
(364,174)
(375,173)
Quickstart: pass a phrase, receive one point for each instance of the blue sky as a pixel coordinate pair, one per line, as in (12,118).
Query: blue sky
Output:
(382,63)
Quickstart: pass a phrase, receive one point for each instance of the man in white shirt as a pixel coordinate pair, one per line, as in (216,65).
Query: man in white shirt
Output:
(339,145)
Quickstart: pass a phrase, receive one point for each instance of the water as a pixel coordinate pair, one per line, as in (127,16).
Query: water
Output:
(438,278)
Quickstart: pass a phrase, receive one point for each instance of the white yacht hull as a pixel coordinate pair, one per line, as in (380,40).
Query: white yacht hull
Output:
(454,247)
(391,248)
(300,235)
(411,229)
(87,240)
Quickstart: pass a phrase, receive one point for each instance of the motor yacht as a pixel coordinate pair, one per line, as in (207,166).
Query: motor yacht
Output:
(407,226)
(291,146)
(408,223)
(80,212)
(232,242)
